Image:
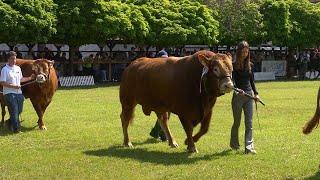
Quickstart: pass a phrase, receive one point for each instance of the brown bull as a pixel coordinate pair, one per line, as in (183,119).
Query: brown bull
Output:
(187,87)
(39,92)
(308,127)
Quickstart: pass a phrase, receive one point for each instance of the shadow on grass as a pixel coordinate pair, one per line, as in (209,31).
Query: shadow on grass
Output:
(156,157)
(315,176)
(4,131)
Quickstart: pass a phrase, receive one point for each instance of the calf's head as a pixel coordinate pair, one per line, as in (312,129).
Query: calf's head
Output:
(217,69)
(42,69)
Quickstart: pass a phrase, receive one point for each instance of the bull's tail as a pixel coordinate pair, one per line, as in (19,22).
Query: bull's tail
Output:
(312,123)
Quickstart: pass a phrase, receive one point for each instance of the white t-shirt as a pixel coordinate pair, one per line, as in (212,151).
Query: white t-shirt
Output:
(11,75)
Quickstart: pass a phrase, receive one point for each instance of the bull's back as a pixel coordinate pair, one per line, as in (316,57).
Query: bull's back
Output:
(148,81)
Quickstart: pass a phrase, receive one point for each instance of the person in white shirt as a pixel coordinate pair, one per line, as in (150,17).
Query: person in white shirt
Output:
(10,79)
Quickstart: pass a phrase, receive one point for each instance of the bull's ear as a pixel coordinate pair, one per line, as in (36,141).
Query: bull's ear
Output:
(203,60)
(229,55)
(34,67)
(51,63)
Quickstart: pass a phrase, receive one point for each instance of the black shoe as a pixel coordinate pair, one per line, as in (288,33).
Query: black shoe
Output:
(252,151)
(236,148)
(154,134)
(162,136)
(17,131)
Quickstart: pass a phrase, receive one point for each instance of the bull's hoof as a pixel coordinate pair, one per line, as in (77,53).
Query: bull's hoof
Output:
(129,144)
(43,128)
(192,150)
(174,144)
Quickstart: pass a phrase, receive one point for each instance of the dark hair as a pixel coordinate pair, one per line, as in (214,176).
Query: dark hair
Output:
(11,53)
(243,64)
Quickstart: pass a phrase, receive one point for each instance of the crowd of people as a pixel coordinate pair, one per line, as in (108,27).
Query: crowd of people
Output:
(97,63)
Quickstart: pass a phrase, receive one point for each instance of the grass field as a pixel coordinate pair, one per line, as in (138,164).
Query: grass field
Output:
(84,140)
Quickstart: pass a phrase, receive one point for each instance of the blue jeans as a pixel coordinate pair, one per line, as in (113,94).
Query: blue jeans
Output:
(15,105)
(240,103)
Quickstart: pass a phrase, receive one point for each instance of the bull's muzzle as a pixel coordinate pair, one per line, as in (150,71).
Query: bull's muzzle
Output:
(226,85)
(41,78)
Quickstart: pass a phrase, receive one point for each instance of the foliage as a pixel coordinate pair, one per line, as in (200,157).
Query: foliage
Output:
(239,21)
(293,23)
(276,21)
(305,19)
(95,21)
(8,22)
(27,21)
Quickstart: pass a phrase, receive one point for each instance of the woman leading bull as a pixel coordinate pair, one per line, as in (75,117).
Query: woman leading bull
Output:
(243,79)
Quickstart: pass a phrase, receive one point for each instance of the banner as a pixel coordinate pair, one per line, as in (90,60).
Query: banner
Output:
(278,67)
(76,81)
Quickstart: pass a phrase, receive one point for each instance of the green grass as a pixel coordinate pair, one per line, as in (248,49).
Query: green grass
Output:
(84,140)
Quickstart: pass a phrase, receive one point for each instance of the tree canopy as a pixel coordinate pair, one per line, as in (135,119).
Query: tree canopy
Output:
(27,21)
(293,23)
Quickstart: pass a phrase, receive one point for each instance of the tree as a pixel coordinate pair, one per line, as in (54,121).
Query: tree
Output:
(305,19)
(276,19)
(238,21)
(97,21)
(177,22)
(27,21)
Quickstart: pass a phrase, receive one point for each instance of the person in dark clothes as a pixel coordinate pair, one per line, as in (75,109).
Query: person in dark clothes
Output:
(156,131)
(243,78)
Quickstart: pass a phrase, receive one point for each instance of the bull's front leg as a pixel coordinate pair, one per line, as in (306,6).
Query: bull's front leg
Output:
(204,127)
(40,109)
(188,128)
(163,121)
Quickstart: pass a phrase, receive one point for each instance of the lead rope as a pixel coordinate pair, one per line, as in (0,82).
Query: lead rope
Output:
(258,116)
(30,82)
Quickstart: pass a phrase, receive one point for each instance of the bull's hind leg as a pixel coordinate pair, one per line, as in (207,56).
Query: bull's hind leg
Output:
(126,117)
(163,120)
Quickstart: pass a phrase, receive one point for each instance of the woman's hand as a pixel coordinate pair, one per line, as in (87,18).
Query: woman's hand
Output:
(256,97)
(240,92)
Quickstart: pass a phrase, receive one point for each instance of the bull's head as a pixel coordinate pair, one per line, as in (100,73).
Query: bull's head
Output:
(217,68)
(41,68)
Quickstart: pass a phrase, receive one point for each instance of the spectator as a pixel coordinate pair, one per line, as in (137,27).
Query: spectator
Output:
(162,53)
(3,56)
(19,54)
(87,65)
(132,55)
(57,63)
(156,131)
(303,65)
(48,54)
(313,63)
(291,64)
(30,55)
